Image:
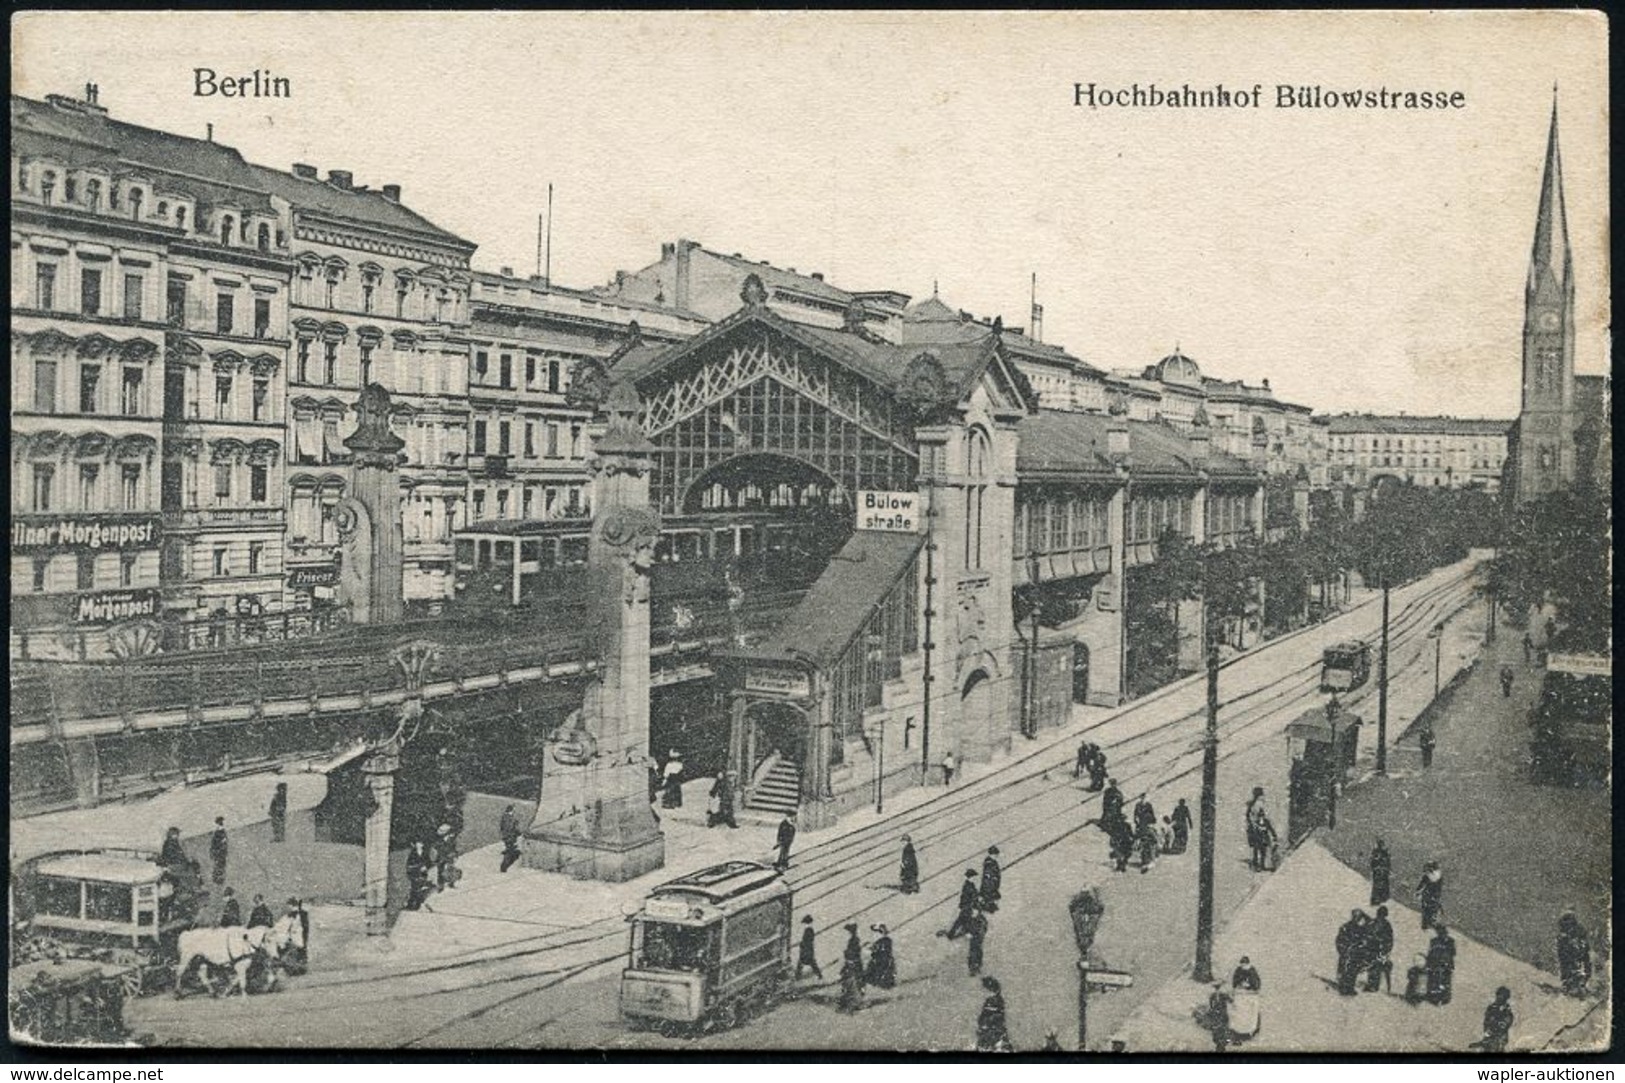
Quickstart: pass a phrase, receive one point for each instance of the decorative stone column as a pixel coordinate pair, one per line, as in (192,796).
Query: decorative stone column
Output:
(379,770)
(593,820)
(369,520)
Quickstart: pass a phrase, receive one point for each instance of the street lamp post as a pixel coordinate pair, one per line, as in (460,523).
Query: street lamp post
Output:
(1202,970)
(1382,686)
(1438,651)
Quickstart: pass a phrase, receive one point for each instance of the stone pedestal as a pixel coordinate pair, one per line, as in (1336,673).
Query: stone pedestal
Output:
(593,820)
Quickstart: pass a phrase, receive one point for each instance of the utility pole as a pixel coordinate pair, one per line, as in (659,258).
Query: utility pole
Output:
(1203,969)
(1382,686)
(926,645)
(1438,651)
(547,269)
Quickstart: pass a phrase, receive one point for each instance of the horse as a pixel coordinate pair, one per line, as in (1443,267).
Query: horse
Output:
(233,948)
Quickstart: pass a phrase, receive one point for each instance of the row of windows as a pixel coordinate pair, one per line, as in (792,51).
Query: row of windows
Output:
(1151,515)
(87,192)
(1059,525)
(439,304)
(82,571)
(95,393)
(93,487)
(327,363)
(530,502)
(552,446)
(540,375)
(103,292)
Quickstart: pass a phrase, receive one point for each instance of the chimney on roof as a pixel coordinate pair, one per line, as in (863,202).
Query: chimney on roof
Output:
(208,132)
(92,91)
(1266,383)
(680,289)
(507,272)
(392,192)
(303,171)
(818,276)
(667,250)
(342,179)
(620,281)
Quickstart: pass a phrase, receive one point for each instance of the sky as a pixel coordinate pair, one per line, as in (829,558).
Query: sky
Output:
(1359,260)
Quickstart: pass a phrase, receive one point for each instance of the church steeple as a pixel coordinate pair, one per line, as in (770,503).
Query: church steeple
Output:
(1551,249)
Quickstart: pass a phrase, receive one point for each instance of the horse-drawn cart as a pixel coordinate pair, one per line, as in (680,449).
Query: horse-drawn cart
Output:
(69,1002)
(119,908)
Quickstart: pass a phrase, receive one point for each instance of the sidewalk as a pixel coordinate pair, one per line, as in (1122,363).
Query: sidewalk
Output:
(1514,854)
(1287,930)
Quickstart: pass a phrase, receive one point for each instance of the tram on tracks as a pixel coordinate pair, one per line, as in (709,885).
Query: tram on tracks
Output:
(1572,722)
(1345,666)
(708,948)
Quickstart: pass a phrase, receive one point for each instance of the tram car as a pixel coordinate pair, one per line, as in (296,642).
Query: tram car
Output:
(1572,722)
(115,907)
(1345,666)
(708,947)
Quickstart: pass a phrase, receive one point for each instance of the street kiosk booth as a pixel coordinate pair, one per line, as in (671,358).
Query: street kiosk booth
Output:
(1323,743)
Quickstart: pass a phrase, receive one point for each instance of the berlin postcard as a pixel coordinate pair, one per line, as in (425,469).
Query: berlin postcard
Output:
(819,532)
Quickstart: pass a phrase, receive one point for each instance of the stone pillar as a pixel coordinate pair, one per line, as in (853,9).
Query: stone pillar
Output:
(379,771)
(369,521)
(609,832)
(1300,504)
(84,770)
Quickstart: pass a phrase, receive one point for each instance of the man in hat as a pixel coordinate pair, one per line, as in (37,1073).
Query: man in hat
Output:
(1430,894)
(1382,865)
(977,929)
(908,874)
(722,802)
(807,954)
(786,836)
(1111,803)
(1218,1017)
(882,969)
(1257,839)
(992,876)
(508,828)
(1182,826)
(1379,948)
(1097,768)
(1083,760)
(1350,952)
(1246,976)
(279,813)
(851,972)
(218,847)
(299,953)
(231,913)
(172,855)
(968,896)
(992,1027)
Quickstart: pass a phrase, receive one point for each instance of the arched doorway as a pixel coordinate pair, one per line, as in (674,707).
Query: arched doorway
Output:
(777,729)
(976,700)
(1080,673)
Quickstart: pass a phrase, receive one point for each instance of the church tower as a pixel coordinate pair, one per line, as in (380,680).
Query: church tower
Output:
(1545,452)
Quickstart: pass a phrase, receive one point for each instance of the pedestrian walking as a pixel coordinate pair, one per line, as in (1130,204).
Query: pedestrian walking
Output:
(1506,682)
(992,1026)
(279,813)
(1427,742)
(977,928)
(882,969)
(1145,840)
(1430,894)
(786,836)
(260,917)
(1268,841)
(445,852)
(1182,826)
(1097,768)
(1528,648)
(508,828)
(992,877)
(851,998)
(1441,965)
(1111,802)
(417,875)
(231,913)
(218,848)
(1497,1023)
(722,802)
(1218,1017)
(1246,976)
(1379,948)
(298,955)
(1122,843)
(171,855)
(908,873)
(968,897)
(1351,937)
(1143,812)
(671,778)
(1573,954)
(807,954)
(1165,835)
(1382,865)
(1257,843)
(1082,763)
(948,765)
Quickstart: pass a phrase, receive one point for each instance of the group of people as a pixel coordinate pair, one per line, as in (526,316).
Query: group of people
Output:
(437,859)
(296,958)
(976,901)
(1143,834)
(1365,945)
(1231,1015)
(856,975)
(1092,762)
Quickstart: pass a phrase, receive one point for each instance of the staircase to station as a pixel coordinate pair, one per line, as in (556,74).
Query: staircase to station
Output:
(778,791)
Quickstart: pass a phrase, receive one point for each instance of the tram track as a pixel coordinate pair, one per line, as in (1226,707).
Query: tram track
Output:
(872,852)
